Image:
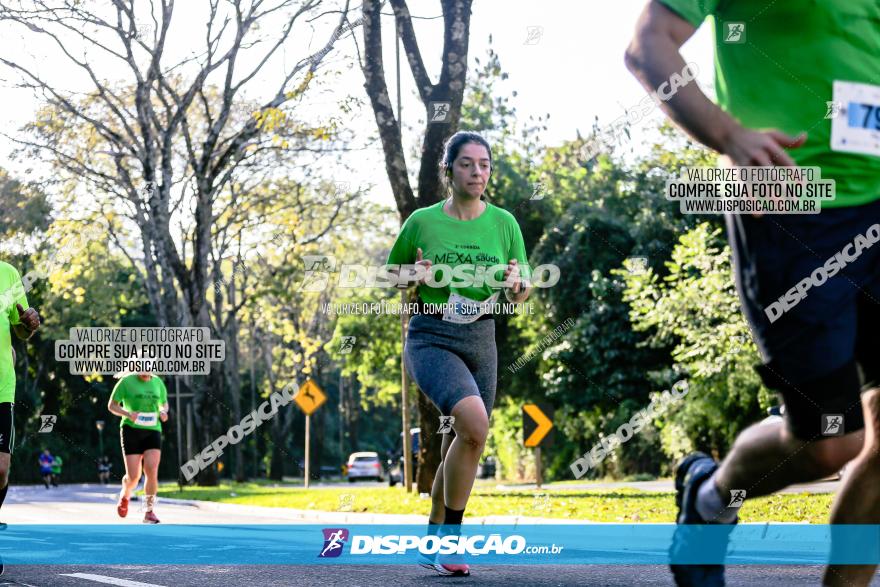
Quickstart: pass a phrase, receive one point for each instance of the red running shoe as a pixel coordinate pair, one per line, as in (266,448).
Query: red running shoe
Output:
(450,570)
(150,518)
(122,506)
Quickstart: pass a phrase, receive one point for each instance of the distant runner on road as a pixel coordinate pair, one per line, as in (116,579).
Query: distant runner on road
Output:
(142,402)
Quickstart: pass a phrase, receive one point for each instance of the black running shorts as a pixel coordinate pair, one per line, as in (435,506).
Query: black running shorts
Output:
(810,290)
(7,430)
(137,440)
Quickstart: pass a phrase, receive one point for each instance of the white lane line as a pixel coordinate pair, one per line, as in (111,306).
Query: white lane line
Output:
(109,580)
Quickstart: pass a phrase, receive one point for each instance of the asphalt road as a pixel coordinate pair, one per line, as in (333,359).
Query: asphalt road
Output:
(81,504)
(488,576)
(96,504)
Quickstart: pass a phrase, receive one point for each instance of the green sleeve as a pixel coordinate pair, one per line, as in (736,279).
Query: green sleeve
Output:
(118,394)
(518,250)
(163,393)
(18,296)
(693,11)
(404,250)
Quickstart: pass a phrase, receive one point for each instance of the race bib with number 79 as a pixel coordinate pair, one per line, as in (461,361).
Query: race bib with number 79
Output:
(856,126)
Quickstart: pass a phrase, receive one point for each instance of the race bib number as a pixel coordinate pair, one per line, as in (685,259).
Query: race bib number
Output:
(855,127)
(147,419)
(463,310)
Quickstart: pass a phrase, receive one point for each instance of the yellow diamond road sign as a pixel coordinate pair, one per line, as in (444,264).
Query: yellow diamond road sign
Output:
(309,397)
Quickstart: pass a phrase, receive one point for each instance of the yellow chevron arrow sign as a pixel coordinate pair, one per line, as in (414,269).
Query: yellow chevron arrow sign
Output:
(544,425)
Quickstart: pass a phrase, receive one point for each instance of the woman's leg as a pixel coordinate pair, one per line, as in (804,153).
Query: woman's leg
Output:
(151,472)
(448,381)
(460,465)
(132,474)
(437,504)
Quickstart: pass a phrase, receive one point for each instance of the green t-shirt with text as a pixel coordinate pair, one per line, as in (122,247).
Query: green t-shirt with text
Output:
(145,397)
(778,70)
(11,293)
(492,238)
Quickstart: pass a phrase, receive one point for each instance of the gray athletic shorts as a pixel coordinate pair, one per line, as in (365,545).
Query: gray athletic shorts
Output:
(450,361)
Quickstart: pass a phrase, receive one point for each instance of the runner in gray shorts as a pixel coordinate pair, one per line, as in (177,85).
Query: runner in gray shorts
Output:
(452,361)
(473,251)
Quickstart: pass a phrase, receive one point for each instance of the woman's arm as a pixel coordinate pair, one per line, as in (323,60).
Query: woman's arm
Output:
(519,289)
(518,298)
(117,410)
(421,269)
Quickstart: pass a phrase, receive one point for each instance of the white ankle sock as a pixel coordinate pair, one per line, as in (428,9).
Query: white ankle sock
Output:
(711,506)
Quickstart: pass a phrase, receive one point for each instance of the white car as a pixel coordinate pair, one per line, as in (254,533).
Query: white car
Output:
(364,465)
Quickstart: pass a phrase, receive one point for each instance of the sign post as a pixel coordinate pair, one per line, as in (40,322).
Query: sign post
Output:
(309,398)
(537,423)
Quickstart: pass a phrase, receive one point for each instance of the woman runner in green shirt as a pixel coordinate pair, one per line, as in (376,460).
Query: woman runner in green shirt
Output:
(470,250)
(142,402)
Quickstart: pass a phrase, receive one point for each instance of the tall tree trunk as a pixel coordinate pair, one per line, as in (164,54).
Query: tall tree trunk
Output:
(276,465)
(354,408)
(233,377)
(449,88)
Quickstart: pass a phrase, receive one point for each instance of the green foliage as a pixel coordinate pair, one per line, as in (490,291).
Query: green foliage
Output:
(623,505)
(376,349)
(515,461)
(694,307)
(23,209)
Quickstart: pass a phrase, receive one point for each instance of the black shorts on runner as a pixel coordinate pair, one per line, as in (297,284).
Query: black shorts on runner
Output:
(820,352)
(7,428)
(137,440)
